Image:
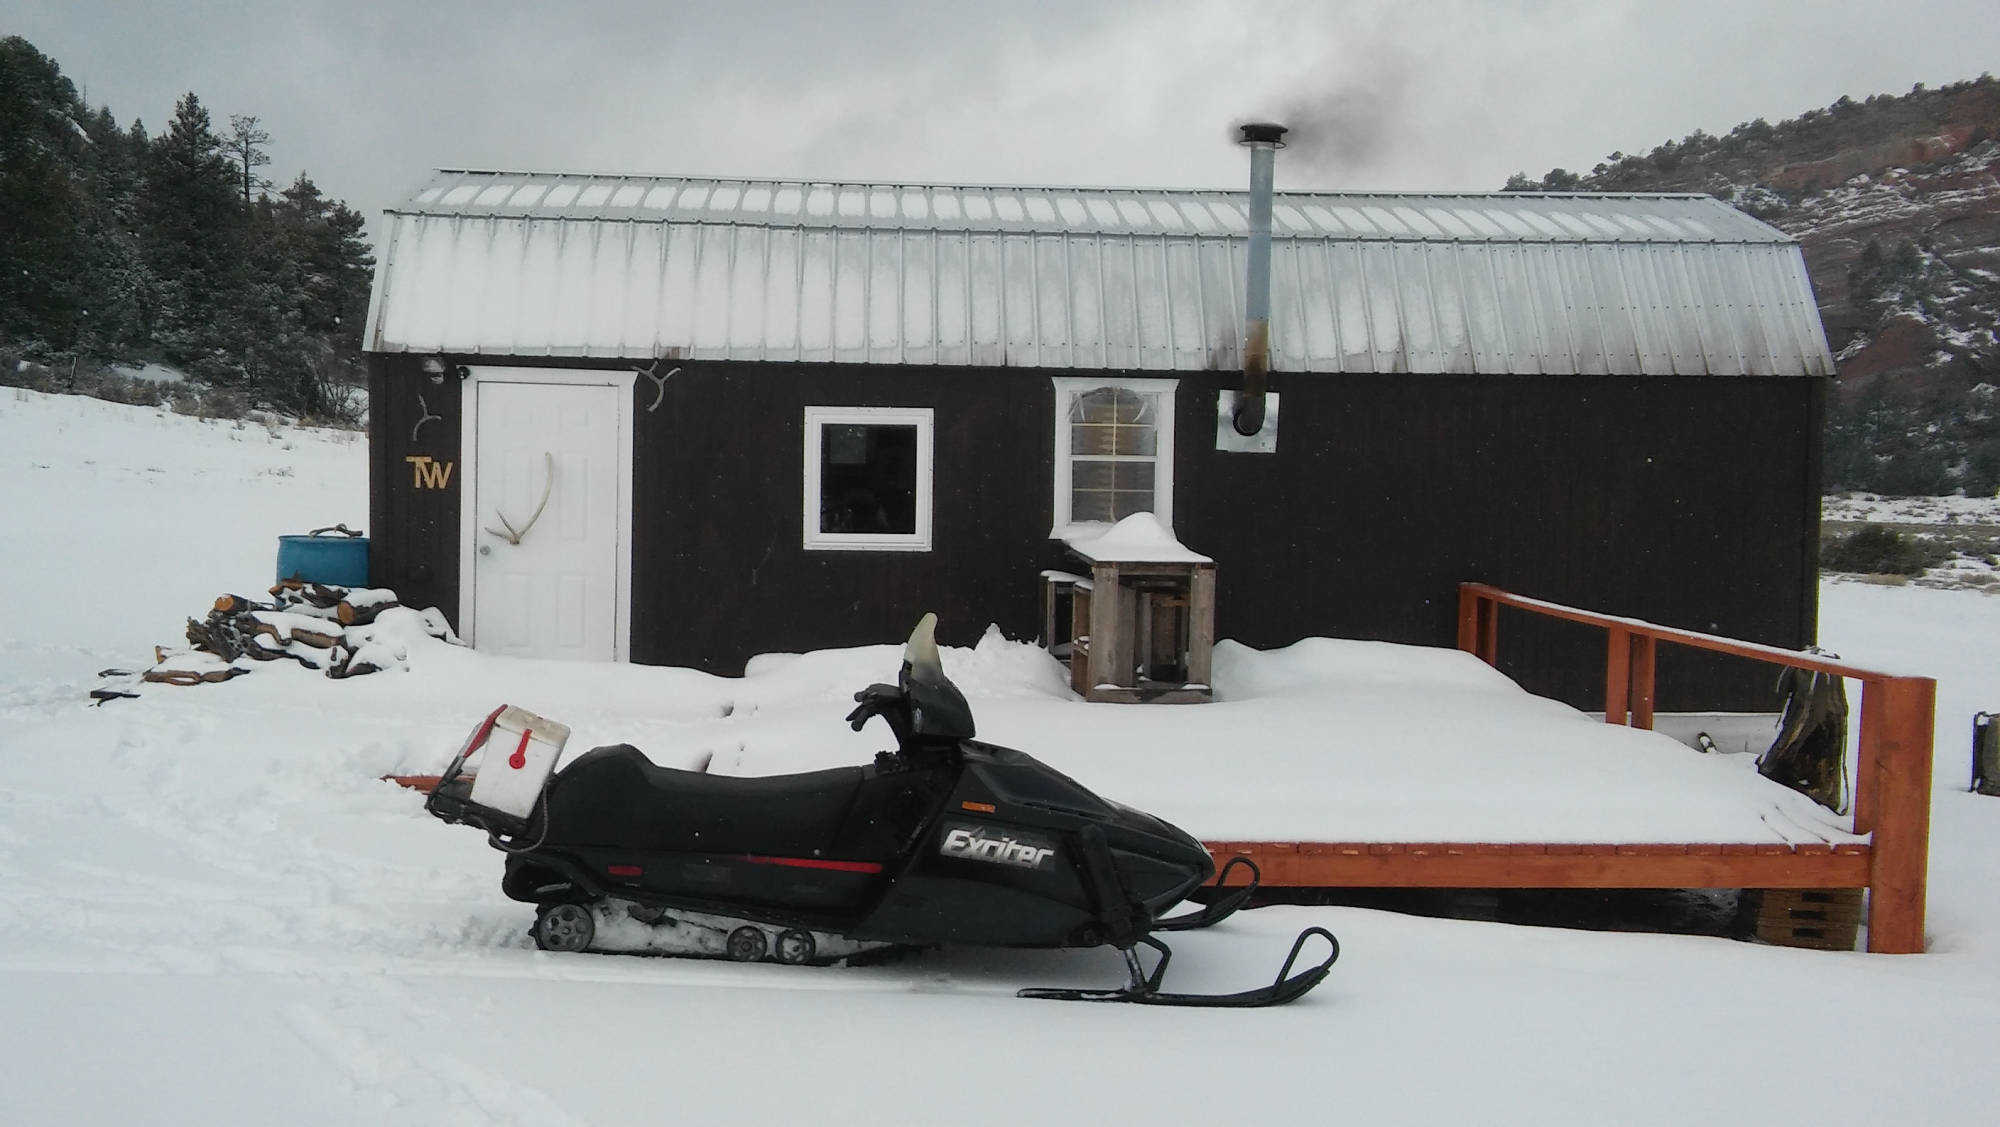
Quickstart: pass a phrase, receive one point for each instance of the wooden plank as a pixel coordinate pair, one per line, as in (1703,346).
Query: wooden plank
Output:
(1691,638)
(1544,865)
(1489,632)
(1617,675)
(1468,619)
(1901,851)
(1201,625)
(1079,652)
(1644,652)
(1103,629)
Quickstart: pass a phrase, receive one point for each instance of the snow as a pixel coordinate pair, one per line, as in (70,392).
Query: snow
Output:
(1139,538)
(151,372)
(1911,510)
(211,911)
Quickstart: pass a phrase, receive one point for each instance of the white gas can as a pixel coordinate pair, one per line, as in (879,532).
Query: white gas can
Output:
(519,754)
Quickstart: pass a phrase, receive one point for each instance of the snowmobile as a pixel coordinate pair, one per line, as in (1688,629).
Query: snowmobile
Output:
(945,840)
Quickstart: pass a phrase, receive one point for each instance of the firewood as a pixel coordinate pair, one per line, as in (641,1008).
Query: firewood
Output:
(314,638)
(322,595)
(233,604)
(171,677)
(218,636)
(351,615)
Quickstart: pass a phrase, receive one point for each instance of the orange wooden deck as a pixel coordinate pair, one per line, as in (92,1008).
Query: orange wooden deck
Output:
(1891,798)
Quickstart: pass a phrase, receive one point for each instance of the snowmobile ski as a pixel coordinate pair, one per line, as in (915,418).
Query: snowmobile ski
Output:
(1144,989)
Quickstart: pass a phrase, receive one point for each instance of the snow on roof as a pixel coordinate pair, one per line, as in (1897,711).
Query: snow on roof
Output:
(1139,538)
(546,264)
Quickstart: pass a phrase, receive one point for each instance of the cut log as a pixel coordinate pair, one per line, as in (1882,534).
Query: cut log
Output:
(219,636)
(190,677)
(234,604)
(314,638)
(350,615)
(292,593)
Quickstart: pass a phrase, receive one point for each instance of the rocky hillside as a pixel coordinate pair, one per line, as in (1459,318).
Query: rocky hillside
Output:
(1896,202)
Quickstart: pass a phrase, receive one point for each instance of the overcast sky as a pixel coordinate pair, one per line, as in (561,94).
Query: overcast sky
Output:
(1444,96)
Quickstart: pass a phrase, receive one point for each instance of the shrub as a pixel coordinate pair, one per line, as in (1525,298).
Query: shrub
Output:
(1877,549)
(220,403)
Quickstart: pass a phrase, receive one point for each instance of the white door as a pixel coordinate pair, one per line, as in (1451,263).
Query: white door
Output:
(549,518)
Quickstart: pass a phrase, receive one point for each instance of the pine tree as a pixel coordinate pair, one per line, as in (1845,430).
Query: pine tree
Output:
(41,197)
(192,222)
(245,146)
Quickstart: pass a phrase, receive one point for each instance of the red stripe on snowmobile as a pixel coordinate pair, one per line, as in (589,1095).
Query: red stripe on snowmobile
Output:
(815,863)
(624,870)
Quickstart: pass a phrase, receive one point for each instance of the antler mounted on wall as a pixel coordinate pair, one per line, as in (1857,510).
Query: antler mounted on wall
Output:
(423,409)
(513,535)
(651,372)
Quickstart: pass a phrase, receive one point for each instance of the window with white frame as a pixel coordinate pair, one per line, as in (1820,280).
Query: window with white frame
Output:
(1114,443)
(868,478)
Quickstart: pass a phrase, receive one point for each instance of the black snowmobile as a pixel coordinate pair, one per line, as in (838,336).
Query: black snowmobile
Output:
(944,840)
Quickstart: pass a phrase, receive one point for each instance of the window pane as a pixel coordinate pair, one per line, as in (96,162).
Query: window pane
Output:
(1089,438)
(1132,477)
(1085,505)
(1133,440)
(1125,504)
(1092,475)
(868,478)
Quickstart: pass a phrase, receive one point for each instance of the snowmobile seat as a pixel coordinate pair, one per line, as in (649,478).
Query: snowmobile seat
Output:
(615,796)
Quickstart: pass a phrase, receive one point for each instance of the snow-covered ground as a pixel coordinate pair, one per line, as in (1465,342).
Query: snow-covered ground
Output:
(1911,510)
(211,912)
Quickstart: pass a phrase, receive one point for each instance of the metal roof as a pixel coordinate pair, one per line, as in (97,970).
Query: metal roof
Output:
(546,264)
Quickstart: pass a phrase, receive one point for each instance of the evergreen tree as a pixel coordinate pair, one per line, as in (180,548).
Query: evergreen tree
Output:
(118,245)
(245,146)
(192,222)
(41,197)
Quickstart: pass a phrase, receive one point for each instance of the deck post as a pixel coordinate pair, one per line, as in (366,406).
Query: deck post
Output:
(1489,632)
(1644,648)
(1468,619)
(1617,675)
(1900,854)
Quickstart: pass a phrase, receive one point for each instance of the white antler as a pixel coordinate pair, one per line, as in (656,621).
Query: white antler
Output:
(651,372)
(513,535)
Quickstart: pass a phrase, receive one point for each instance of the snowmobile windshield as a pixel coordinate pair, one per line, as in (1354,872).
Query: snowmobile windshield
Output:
(937,708)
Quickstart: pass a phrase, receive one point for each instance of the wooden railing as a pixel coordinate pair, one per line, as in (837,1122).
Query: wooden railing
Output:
(1892,788)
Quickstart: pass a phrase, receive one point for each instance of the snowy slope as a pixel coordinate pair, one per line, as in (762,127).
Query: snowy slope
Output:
(210,912)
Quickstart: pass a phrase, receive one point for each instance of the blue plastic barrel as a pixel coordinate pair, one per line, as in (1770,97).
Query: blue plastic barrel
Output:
(336,555)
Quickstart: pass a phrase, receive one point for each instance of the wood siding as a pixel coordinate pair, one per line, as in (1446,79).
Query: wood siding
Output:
(413,532)
(1687,501)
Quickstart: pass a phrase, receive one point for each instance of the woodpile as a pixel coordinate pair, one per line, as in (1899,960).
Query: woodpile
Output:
(319,626)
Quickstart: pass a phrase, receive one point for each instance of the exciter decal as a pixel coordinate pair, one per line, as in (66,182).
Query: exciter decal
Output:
(976,844)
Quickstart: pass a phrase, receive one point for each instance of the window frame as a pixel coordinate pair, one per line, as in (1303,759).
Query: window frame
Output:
(817,418)
(1067,389)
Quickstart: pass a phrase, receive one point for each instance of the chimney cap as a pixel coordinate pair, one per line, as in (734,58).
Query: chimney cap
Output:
(1261,133)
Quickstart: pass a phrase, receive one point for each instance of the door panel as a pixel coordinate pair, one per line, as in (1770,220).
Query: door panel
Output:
(555,594)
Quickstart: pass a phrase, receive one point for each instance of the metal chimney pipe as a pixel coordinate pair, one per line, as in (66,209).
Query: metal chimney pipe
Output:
(1264,140)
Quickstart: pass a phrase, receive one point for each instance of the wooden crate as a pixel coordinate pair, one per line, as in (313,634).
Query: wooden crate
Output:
(1825,919)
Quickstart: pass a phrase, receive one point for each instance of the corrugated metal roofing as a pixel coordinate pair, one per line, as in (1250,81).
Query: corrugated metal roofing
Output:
(532,264)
